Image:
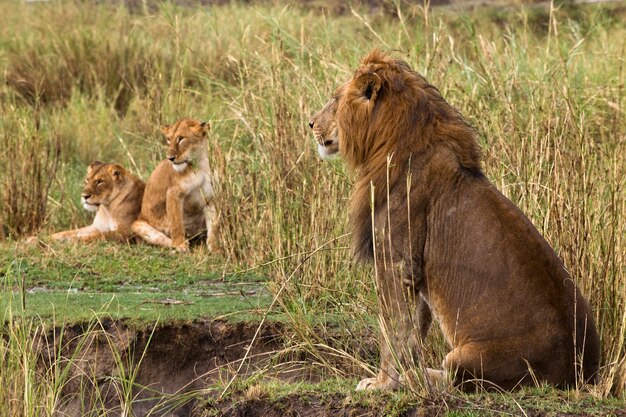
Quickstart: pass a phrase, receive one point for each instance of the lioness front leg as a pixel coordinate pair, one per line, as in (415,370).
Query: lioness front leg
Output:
(210,218)
(82,234)
(175,211)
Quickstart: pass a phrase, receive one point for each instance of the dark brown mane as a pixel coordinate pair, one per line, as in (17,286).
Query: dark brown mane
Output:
(386,114)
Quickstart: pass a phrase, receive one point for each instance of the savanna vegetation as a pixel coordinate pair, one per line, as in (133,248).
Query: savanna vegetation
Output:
(544,86)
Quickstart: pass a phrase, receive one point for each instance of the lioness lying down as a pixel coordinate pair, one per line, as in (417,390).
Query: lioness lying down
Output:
(447,244)
(178,201)
(115,195)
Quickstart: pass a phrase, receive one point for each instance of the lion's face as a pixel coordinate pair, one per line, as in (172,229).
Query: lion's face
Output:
(324,126)
(101,184)
(186,140)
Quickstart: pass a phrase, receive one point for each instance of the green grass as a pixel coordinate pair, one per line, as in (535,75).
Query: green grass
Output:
(141,308)
(545,88)
(68,284)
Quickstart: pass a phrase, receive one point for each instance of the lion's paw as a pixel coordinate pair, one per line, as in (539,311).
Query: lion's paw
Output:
(366,384)
(369,384)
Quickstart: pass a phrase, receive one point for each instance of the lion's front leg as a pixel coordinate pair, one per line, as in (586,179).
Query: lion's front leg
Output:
(398,321)
(388,377)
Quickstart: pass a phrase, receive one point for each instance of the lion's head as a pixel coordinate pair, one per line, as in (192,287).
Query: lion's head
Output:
(324,126)
(381,118)
(102,183)
(186,140)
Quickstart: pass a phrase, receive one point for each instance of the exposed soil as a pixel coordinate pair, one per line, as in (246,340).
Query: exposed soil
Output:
(172,359)
(167,359)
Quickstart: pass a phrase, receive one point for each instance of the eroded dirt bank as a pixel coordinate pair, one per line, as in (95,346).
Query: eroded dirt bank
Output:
(102,361)
(179,369)
(114,369)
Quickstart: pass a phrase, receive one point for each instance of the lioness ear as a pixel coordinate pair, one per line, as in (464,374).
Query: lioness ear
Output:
(117,171)
(369,83)
(166,130)
(92,166)
(202,128)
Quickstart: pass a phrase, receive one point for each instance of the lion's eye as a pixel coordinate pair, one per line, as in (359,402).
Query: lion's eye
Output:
(99,183)
(180,139)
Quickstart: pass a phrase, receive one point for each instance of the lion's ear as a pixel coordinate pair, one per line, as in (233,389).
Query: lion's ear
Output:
(117,171)
(369,83)
(93,166)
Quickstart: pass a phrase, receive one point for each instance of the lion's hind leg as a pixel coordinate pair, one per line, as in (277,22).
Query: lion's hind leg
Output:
(475,367)
(150,234)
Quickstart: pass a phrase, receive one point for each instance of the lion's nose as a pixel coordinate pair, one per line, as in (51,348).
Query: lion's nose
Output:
(328,142)
(86,196)
(311,124)
(171,158)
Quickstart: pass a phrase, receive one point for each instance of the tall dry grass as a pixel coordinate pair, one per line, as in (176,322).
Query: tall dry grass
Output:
(544,87)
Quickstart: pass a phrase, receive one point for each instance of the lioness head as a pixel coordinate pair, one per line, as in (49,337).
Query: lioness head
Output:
(101,184)
(324,126)
(186,140)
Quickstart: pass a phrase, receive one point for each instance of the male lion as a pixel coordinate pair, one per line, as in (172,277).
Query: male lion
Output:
(445,241)
(115,195)
(178,202)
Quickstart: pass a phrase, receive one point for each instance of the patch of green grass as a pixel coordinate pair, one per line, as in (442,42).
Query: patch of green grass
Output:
(69,283)
(78,307)
(106,266)
(339,391)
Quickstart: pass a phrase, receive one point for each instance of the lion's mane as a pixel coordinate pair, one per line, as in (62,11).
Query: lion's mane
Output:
(404,115)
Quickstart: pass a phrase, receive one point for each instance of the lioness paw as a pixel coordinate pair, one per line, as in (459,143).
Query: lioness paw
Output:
(31,240)
(182,248)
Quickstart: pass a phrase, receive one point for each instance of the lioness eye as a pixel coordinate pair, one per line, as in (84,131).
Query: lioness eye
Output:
(180,139)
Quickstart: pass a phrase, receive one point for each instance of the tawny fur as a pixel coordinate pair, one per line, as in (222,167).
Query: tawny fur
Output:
(115,195)
(446,242)
(178,201)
